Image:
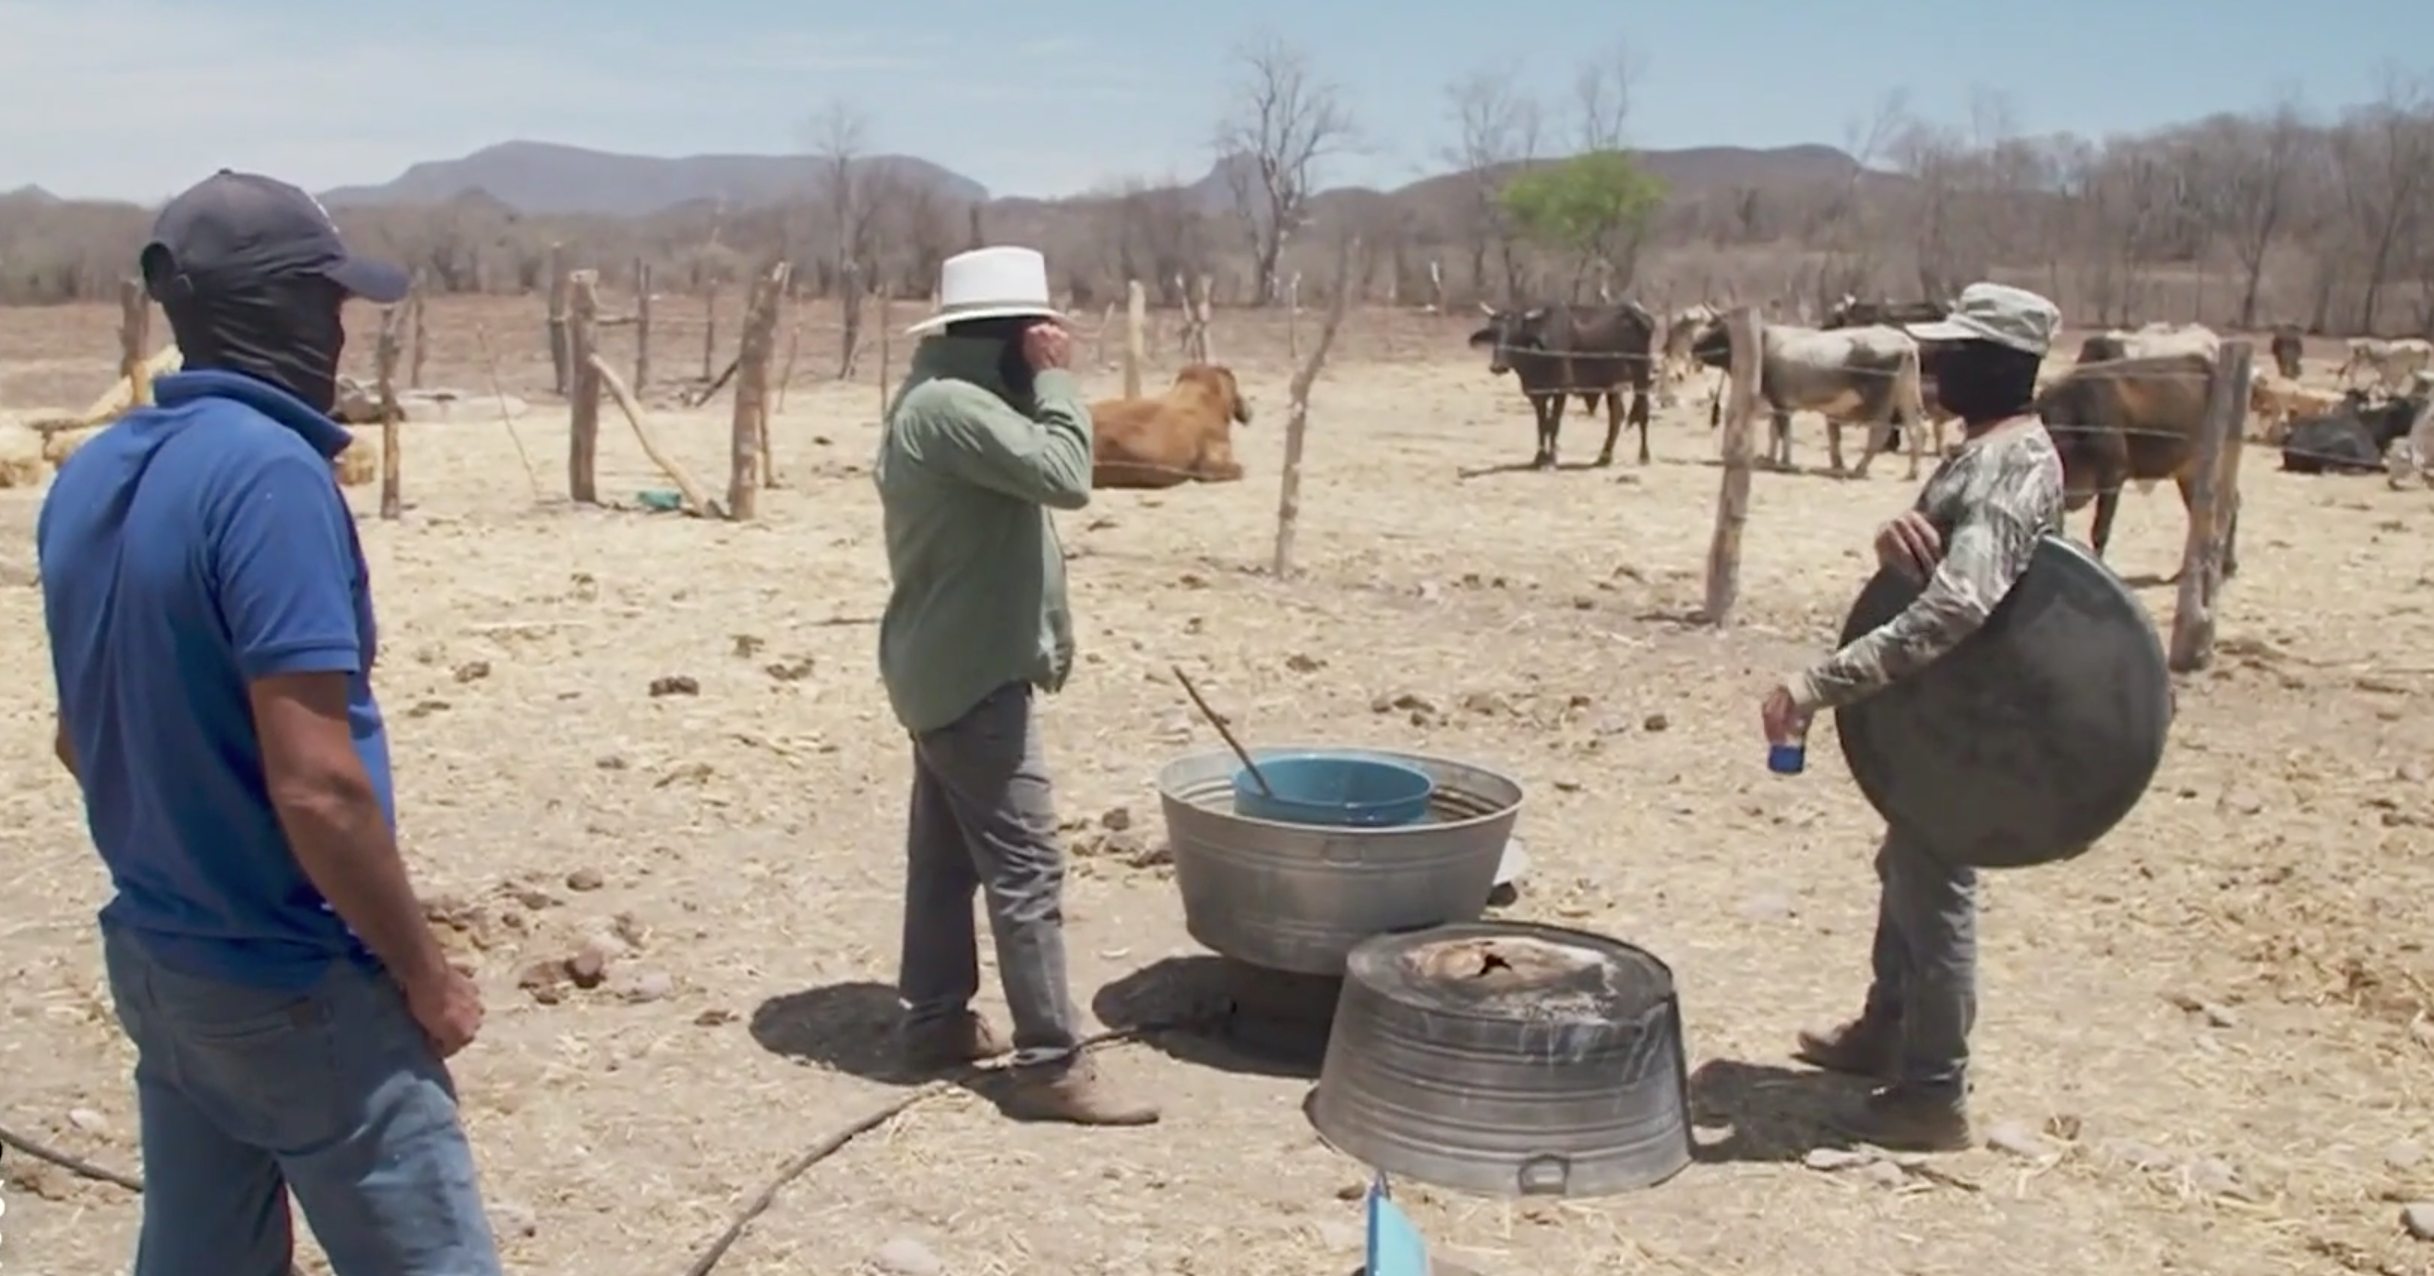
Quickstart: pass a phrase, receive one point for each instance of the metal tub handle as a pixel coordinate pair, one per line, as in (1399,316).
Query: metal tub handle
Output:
(1340,851)
(1546,1174)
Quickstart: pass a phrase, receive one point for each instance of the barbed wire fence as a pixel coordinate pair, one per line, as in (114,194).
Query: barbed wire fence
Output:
(2202,455)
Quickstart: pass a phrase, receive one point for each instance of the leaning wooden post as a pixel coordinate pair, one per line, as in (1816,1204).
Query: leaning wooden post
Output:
(1732,504)
(421,333)
(748,438)
(642,327)
(1297,419)
(134,334)
(385,354)
(1136,320)
(562,361)
(583,420)
(2214,498)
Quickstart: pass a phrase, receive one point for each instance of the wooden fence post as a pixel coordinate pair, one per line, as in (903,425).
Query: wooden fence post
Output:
(887,341)
(642,327)
(583,420)
(1297,419)
(709,333)
(1732,503)
(385,354)
(2214,500)
(134,334)
(748,437)
(421,333)
(562,361)
(1136,318)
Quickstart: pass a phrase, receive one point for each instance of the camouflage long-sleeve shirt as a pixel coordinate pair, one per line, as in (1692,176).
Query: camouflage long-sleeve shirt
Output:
(1991,504)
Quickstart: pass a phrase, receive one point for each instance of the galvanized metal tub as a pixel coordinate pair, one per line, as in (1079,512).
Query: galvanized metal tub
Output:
(1508,1059)
(1298,897)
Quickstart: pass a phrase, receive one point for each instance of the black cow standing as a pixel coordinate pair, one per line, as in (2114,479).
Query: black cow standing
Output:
(1590,351)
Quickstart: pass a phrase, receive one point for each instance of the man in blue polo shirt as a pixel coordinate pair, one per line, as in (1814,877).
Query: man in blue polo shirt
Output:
(211,633)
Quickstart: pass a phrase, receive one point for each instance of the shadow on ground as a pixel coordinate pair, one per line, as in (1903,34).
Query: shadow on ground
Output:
(850,1027)
(1185,1008)
(1764,1112)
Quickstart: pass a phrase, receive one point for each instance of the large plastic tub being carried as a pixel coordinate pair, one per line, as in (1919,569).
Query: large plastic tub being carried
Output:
(1298,897)
(1337,789)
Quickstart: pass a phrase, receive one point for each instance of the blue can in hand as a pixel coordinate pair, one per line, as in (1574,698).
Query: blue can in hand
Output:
(1787,759)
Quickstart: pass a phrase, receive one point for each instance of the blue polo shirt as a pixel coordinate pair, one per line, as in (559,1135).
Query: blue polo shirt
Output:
(188,549)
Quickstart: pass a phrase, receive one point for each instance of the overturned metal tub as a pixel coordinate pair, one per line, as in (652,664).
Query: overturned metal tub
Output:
(1297,897)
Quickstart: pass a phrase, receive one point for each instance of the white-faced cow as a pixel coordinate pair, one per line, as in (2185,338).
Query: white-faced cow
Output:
(1674,364)
(1589,351)
(2393,365)
(1851,376)
(2123,421)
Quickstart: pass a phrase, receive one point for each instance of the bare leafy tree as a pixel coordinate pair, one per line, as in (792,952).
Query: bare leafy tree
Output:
(1284,122)
(840,140)
(1498,131)
(1854,228)
(2246,175)
(1601,94)
(2386,156)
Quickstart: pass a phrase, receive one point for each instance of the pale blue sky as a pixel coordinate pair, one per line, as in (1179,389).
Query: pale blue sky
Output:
(136,98)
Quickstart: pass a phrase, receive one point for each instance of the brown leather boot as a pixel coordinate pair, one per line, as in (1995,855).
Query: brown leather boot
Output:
(1904,1119)
(1073,1093)
(1860,1048)
(944,1045)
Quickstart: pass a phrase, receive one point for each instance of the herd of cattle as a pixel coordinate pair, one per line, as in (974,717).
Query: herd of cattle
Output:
(2130,408)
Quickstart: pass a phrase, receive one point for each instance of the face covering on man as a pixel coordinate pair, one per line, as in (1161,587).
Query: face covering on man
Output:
(288,331)
(1982,382)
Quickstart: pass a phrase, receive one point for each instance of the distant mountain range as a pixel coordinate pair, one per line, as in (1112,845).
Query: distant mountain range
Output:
(545,179)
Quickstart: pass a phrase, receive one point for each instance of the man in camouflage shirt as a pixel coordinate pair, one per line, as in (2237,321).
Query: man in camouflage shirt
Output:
(1971,534)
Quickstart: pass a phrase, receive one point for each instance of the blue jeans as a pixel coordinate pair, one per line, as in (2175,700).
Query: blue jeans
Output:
(248,1095)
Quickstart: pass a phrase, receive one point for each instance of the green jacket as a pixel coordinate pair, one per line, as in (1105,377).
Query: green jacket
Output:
(965,486)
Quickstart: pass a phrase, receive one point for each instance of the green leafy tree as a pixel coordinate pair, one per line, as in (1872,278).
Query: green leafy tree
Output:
(1596,207)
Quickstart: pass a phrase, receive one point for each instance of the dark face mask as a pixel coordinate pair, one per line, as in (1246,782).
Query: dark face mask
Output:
(1981,382)
(1012,367)
(289,332)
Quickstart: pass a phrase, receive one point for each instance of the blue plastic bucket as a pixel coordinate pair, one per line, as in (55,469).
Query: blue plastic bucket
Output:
(1339,790)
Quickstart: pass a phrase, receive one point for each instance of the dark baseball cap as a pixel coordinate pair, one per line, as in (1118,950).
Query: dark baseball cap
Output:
(232,229)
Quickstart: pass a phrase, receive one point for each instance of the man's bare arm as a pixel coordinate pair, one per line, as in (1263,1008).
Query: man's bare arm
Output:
(335,823)
(65,750)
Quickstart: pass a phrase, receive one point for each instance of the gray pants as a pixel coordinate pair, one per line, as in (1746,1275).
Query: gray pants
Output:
(984,821)
(1926,962)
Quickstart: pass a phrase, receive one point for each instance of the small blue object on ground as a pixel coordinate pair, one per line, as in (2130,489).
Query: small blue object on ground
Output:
(1395,1247)
(1342,790)
(1787,759)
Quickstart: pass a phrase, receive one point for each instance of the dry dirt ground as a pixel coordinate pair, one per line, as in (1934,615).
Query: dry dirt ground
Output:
(2217,1024)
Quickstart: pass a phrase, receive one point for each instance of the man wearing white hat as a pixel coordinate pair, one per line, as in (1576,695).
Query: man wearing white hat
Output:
(987,435)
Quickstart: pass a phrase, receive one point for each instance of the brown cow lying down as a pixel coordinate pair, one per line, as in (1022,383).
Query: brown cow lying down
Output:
(1183,436)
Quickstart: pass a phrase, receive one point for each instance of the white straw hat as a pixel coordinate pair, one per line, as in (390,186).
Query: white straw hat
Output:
(990,283)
